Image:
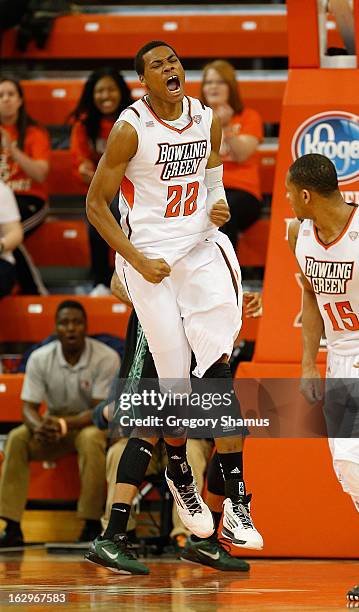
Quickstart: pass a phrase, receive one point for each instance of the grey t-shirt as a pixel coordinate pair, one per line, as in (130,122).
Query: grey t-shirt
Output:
(65,388)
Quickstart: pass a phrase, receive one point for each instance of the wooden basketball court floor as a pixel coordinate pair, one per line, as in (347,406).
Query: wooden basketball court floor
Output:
(176,586)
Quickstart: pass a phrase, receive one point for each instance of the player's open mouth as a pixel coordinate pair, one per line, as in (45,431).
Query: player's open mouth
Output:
(173,84)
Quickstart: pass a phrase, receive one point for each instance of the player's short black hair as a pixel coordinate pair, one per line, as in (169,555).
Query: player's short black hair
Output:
(139,64)
(316,172)
(70,304)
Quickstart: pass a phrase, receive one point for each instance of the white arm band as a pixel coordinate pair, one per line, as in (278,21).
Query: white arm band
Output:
(214,183)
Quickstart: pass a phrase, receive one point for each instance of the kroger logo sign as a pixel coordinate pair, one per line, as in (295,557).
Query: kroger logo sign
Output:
(334,134)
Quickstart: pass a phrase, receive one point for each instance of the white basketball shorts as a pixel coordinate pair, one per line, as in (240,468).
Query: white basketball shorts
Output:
(198,307)
(341,368)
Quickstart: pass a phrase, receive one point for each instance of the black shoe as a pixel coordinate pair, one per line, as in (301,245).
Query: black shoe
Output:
(132,537)
(90,531)
(11,537)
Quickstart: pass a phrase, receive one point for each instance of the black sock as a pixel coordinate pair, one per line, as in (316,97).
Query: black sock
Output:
(215,480)
(13,526)
(232,469)
(178,469)
(93,523)
(216,519)
(118,520)
(232,465)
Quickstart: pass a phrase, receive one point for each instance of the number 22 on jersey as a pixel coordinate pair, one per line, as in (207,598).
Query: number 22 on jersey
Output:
(182,201)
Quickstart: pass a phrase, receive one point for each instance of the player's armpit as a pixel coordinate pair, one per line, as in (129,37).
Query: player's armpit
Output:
(121,147)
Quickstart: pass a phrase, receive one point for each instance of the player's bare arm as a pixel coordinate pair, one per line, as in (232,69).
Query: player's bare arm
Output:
(121,147)
(118,290)
(218,209)
(312,330)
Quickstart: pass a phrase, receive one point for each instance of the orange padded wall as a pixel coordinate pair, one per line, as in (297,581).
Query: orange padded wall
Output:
(320,115)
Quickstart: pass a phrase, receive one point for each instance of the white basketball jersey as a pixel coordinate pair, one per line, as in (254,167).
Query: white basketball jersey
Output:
(163,195)
(333,272)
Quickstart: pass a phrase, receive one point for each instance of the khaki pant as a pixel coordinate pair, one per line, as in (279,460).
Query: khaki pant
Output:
(21,448)
(198,454)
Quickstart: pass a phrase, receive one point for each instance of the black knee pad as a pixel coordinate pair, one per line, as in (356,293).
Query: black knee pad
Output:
(215,480)
(134,462)
(219,370)
(222,372)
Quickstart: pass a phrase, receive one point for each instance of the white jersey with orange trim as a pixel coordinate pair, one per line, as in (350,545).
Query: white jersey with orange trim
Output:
(163,195)
(333,272)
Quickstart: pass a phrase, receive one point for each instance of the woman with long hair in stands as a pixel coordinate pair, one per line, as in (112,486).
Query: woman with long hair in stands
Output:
(105,95)
(242,130)
(24,166)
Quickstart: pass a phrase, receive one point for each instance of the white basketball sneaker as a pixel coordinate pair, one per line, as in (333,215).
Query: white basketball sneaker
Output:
(192,510)
(238,525)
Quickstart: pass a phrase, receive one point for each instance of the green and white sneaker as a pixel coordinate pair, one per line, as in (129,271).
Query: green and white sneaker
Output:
(115,555)
(353,596)
(214,553)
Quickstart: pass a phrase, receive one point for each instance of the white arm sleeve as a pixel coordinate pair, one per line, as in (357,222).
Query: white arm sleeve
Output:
(214,183)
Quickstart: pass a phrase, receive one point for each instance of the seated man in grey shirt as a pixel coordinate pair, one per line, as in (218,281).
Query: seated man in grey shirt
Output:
(71,374)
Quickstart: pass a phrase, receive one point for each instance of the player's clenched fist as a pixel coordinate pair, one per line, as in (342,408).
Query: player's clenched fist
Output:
(154,270)
(311,385)
(220,214)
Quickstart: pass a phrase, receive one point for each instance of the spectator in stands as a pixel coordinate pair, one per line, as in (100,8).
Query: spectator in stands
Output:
(72,374)
(11,235)
(104,96)
(24,166)
(242,131)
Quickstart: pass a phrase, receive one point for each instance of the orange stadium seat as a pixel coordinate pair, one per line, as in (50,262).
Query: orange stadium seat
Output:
(31,318)
(235,31)
(50,101)
(60,243)
(252,247)
(62,180)
(55,480)
(46,482)
(222,32)
(10,402)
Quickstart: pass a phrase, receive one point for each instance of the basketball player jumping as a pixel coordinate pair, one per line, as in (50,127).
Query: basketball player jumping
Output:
(325,240)
(137,362)
(185,288)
